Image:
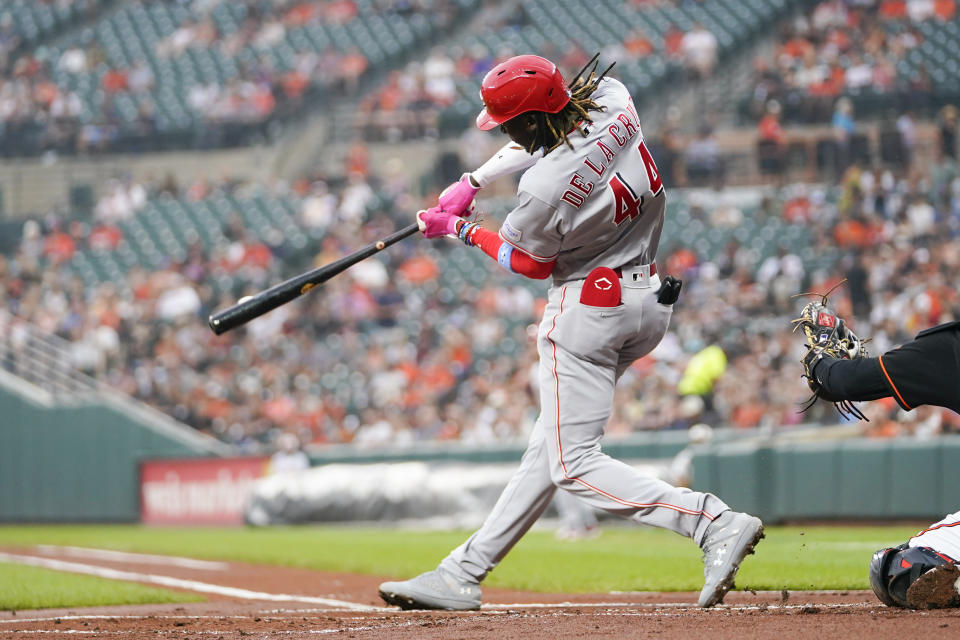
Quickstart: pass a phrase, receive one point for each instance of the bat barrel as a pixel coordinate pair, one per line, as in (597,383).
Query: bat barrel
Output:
(248,309)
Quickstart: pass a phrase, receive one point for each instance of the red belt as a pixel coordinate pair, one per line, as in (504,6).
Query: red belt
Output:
(653,270)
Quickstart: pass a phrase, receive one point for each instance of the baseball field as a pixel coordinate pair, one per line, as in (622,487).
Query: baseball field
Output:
(808,581)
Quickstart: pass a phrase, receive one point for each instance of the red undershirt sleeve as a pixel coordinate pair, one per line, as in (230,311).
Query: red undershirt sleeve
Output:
(511,258)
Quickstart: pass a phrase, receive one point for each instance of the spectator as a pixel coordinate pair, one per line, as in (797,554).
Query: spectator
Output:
(289,457)
(947,134)
(771,142)
(907,130)
(699,50)
(844,128)
(703,158)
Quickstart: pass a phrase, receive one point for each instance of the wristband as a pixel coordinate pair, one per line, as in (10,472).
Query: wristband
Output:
(465,232)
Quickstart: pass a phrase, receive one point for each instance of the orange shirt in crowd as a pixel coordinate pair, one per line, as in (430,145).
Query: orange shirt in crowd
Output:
(851,233)
(945,9)
(893,9)
(769,129)
(358,160)
(105,237)
(295,83)
(419,269)
(796,48)
(45,92)
(264,101)
(673,42)
(300,14)
(353,64)
(638,45)
(340,11)
(256,255)
(114,81)
(797,210)
(832,86)
(59,246)
(681,261)
(748,415)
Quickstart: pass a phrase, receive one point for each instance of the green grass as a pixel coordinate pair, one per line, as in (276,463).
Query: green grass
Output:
(622,559)
(34,588)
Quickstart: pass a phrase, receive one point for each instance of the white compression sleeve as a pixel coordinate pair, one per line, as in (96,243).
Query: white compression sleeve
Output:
(509,159)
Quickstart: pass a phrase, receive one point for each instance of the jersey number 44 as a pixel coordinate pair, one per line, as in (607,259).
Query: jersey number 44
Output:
(627,201)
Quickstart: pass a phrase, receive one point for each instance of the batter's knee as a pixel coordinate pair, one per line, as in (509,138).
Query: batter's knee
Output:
(559,477)
(565,470)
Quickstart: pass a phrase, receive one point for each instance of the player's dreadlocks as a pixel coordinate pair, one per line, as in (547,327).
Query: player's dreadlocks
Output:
(553,128)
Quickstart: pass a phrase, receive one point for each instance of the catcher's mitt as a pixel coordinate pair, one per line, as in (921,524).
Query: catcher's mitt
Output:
(827,335)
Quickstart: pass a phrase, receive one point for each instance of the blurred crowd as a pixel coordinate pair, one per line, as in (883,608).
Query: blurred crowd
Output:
(431,341)
(198,85)
(849,48)
(420,100)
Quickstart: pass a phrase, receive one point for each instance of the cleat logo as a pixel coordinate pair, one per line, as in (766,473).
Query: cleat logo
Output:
(720,554)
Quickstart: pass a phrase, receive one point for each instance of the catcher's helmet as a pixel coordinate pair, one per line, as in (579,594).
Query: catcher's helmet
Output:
(521,84)
(892,571)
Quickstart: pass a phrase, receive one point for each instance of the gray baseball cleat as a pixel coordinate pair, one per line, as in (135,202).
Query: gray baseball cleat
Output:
(936,589)
(436,589)
(728,540)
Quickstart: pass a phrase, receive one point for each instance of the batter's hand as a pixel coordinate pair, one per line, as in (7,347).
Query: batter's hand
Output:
(435,222)
(458,198)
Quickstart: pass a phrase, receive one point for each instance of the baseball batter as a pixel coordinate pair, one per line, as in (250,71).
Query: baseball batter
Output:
(922,573)
(590,212)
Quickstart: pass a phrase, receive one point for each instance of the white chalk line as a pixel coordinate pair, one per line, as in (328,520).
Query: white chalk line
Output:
(368,627)
(179,583)
(490,609)
(618,608)
(667,605)
(125,556)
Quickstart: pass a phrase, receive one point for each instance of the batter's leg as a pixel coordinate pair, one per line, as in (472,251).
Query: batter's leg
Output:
(576,399)
(522,502)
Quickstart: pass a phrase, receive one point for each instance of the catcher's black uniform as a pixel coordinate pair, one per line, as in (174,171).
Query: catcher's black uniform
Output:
(925,370)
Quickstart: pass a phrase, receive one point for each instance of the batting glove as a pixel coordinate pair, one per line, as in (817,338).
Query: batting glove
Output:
(458,198)
(435,222)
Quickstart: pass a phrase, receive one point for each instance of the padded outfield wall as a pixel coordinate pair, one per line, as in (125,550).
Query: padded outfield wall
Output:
(850,479)
(77,462)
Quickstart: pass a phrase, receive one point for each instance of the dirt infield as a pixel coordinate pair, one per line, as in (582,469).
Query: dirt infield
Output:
(245,601)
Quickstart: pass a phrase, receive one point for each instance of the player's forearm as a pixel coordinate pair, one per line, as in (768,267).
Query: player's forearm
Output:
(858,379)
(459,198)
(508,256)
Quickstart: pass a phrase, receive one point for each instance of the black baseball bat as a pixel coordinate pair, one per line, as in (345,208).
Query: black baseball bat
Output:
(268,300)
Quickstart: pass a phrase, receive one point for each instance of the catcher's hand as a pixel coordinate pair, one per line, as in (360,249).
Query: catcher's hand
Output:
(827,335)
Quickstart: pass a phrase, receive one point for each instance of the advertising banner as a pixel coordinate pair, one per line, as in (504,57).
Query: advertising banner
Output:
(198,491)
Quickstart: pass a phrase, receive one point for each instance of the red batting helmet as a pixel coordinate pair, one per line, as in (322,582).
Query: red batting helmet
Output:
(521,84)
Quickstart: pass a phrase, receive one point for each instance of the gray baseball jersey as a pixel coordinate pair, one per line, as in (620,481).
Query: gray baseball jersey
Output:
(600,204)
(596,205)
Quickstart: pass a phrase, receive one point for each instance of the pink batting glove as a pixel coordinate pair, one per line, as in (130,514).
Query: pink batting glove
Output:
(458,197)
(434,222)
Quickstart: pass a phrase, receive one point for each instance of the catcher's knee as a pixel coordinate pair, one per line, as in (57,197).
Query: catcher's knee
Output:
(893,570)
